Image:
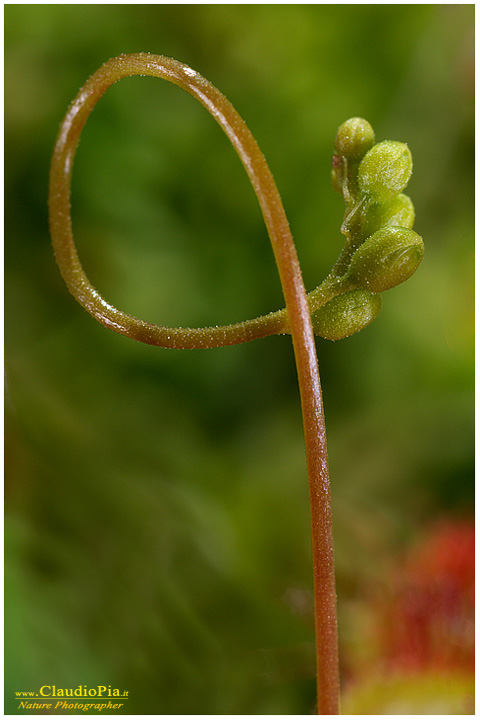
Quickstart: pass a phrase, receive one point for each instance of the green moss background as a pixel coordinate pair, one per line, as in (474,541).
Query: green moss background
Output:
(157,520)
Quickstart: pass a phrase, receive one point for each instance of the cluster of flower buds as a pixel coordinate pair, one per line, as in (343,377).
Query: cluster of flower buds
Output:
(381,250)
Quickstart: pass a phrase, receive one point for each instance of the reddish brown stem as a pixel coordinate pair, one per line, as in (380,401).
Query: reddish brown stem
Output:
(295,299)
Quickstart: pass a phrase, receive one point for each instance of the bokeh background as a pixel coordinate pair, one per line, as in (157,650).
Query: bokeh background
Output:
(157,519)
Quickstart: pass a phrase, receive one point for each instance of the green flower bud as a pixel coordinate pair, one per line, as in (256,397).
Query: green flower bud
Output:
(354,138)
(386,259)
(400,212)
(346,314)
(385,170)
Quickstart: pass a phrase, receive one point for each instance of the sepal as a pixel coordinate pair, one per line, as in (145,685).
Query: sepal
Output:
(386,259)
(385,170)
(354,138)
(346,314)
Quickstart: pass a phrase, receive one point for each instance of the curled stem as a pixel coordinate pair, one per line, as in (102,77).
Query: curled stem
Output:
(295,320)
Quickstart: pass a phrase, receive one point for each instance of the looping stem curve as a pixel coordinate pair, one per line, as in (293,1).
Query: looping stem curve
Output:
(297,320)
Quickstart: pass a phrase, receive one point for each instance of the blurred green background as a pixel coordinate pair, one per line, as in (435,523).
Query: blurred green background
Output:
(157,519)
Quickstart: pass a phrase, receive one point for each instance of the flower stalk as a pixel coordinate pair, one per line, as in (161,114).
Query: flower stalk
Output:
(381,250)
(296,318)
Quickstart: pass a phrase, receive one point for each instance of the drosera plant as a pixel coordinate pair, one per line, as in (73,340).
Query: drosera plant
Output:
(381,250)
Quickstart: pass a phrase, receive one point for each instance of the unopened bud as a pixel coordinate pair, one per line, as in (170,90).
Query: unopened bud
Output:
(385,170)
(346,314)
(354,138)
(400,212)
(386,259)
